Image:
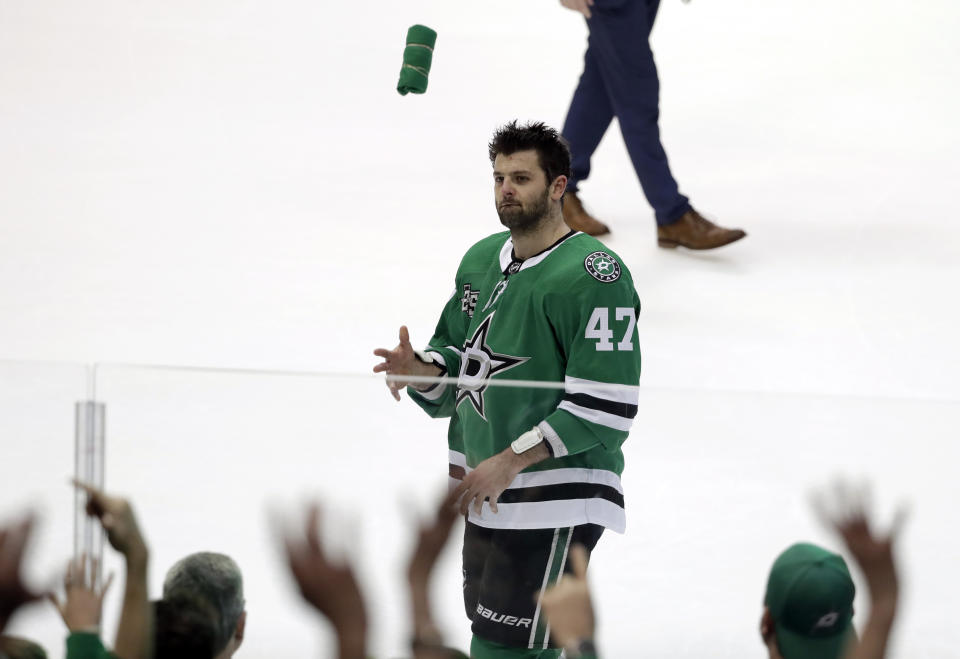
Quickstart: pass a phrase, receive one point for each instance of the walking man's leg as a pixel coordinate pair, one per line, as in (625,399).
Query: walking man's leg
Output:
(619,39)
(629,73)
(587,120)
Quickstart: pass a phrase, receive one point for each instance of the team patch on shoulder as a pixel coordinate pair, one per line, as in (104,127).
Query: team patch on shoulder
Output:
(602,267)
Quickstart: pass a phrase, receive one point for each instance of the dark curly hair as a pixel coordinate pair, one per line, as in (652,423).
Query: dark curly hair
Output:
(553,152)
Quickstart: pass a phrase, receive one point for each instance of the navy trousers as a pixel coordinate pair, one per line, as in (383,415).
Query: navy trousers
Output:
(620,80)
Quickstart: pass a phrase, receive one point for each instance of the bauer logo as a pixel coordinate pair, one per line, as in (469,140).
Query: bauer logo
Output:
(502,618)
(602,267)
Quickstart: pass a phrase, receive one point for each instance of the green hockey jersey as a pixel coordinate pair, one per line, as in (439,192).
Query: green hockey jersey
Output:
(566,315)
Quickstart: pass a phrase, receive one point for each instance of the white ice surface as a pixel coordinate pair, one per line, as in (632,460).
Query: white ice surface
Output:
(238,184)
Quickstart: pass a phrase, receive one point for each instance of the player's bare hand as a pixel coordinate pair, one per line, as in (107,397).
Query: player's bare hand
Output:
(487,482)
(567,604)
(402,360)
(582,6)
(117,518)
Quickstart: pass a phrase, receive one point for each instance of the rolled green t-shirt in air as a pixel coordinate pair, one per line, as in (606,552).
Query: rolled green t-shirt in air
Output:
(417,60)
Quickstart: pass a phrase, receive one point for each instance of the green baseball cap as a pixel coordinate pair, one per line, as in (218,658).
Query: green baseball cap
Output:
(810,597)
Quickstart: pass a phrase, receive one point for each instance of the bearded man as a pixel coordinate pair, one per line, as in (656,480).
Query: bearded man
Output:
(537,469)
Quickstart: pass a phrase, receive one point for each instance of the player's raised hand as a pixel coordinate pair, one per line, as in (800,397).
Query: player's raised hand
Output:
(567,604)
(403,360)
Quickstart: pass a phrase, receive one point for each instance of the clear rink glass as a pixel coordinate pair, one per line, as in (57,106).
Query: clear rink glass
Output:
(716,484)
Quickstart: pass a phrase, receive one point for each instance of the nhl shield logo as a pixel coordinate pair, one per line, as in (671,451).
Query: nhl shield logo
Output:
(602,267)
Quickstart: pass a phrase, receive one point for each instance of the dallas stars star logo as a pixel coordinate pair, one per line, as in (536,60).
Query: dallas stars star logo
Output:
(479,364)
(602,267)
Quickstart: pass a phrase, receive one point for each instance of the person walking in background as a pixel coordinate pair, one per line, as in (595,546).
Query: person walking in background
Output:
(620,80)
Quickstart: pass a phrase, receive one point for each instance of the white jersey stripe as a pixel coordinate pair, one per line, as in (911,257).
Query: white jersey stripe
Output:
(457,458)
(552,515)
(563,562)
(438,357)
(552,476)
(596,416)
(543,588)
(553,439)
(506,254)
(617,393)
(568,475)
(433,393)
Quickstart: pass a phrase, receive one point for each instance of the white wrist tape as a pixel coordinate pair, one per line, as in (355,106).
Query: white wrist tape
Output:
(527,441)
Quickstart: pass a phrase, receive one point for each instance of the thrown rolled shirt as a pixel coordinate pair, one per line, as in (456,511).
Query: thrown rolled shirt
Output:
(417,58)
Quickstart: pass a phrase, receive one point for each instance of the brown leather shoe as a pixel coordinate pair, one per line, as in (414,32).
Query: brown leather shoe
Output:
(580,220)
(694,231)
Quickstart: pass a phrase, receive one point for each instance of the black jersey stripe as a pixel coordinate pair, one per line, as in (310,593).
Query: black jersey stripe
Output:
(561,492)
(616,408)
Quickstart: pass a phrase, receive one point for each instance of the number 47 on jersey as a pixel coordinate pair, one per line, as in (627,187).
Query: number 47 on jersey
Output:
(598,327)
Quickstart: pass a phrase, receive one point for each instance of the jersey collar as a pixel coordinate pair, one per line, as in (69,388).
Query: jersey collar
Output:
(507,256)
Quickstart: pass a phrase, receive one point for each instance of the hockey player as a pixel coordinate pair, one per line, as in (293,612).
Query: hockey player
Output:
(536,469)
